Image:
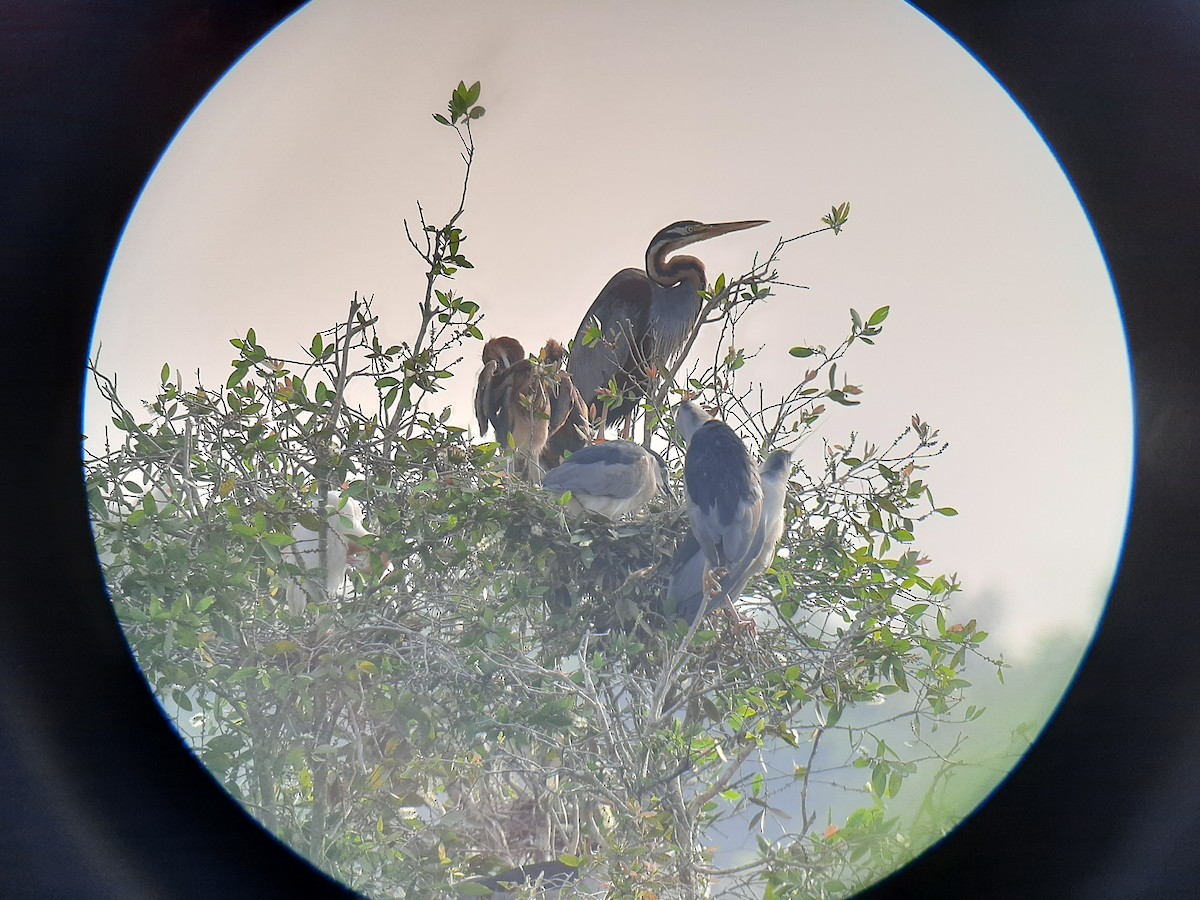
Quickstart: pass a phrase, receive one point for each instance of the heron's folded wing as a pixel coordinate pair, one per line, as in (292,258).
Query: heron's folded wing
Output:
(485,403)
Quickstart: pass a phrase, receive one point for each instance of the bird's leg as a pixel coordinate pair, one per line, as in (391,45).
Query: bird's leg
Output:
(712,580)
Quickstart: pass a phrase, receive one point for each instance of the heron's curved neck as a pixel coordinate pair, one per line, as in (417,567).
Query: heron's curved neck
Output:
(670,272)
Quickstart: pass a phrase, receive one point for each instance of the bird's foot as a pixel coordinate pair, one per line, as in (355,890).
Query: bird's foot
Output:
(712,580)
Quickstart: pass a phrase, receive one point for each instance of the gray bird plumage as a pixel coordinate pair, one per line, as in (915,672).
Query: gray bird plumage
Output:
(611,478)
(685,591)
(724,488)
(548,878)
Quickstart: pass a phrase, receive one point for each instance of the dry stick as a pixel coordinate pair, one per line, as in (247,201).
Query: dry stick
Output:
(353,328)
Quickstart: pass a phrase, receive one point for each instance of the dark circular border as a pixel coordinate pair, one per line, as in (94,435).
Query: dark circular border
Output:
(100,798)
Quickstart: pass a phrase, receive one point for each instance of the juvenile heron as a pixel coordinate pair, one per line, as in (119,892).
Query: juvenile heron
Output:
(493,388)
(685,591)
(527,401)
(611,478)
(548,878)
(724,490)
(644,317)
(569,429)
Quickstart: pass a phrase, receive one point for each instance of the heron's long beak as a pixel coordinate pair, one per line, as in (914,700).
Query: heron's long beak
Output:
(719,228)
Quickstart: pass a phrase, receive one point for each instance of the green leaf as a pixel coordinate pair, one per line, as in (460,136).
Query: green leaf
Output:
(239,372)
(802,352)
(440,118)
(165,375)
(879,315)
(879,778)
(466,889)
(946,511)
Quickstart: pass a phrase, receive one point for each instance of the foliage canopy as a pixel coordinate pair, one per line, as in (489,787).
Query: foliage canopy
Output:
(498,685)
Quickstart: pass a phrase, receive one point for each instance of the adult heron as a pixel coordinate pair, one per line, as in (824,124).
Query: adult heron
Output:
(724,491)
(644,318)
(611,478)
(527,401)
(686,594)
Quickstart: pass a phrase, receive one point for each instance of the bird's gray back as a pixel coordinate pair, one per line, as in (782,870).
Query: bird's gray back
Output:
(609,469)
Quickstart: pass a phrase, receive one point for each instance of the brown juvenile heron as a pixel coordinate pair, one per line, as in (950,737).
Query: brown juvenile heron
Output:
(492,389)
(644,317)
(569,429)
(527,401)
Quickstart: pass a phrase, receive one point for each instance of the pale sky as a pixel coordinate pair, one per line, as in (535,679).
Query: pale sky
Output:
(285,192)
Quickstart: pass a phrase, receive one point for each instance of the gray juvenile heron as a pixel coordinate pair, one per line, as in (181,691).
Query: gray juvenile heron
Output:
(548,878)
(527,400)
(645,317)
(611,478)
(686,593)
(724,491)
